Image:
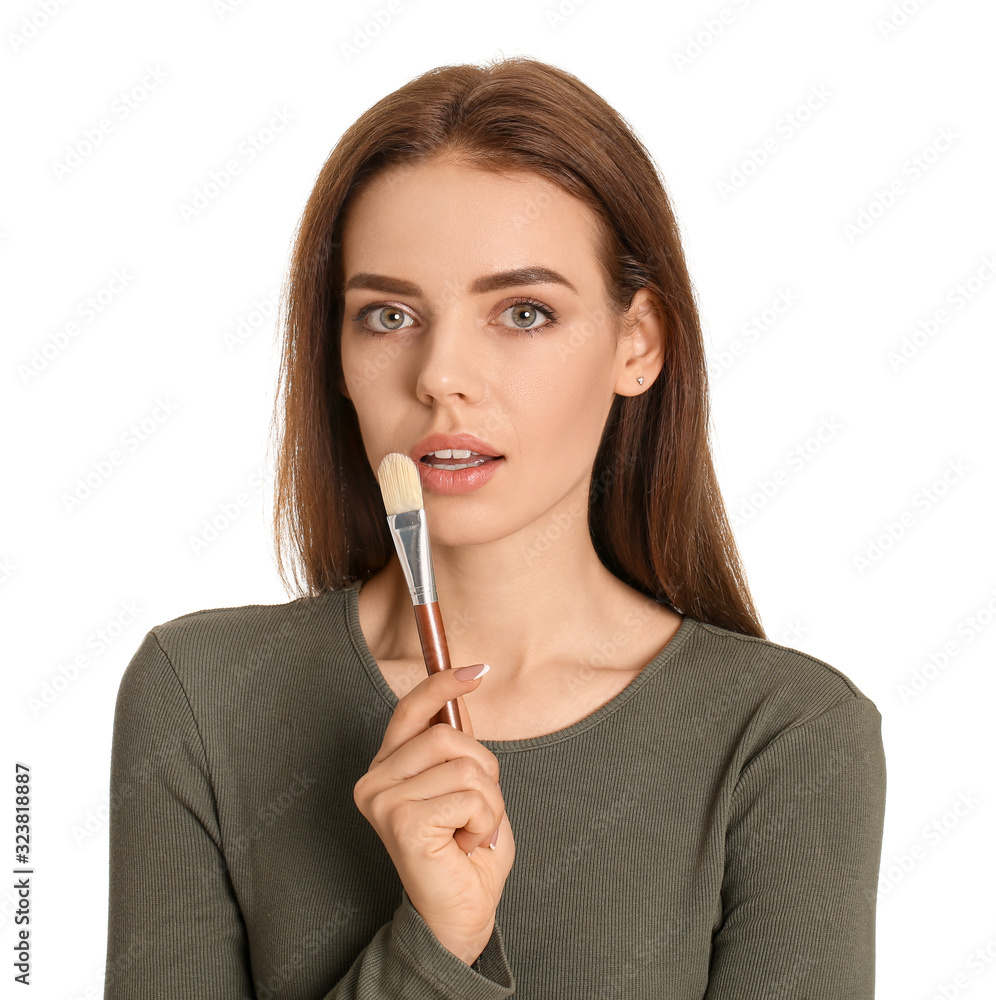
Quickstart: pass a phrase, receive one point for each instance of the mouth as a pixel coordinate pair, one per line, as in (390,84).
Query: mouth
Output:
(456,464)
(449,476)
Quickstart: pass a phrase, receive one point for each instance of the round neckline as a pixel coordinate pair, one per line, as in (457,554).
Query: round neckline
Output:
(351,609)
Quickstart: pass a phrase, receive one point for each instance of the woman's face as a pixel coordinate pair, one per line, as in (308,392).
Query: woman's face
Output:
(531,368)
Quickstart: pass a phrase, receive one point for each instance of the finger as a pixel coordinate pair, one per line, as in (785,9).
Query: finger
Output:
(415,710)
(451,799)
(429,749)
(465,723)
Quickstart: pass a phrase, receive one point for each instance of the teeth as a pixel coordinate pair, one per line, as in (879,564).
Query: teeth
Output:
(452,453)
(433,459)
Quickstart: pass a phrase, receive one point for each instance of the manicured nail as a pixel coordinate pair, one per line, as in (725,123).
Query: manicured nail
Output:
(471,673)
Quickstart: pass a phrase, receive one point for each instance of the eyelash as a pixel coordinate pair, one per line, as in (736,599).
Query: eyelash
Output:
(550,314)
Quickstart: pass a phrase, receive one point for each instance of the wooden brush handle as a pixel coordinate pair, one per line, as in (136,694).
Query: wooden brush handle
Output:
(437,655)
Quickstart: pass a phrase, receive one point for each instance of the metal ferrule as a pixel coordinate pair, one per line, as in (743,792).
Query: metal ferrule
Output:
(411,539)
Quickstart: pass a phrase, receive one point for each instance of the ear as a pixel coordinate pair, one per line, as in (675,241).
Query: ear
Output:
(641,346)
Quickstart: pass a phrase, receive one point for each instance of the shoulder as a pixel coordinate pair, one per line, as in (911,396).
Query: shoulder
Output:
(771,661)
(246,623)
(763,689)
(245,644)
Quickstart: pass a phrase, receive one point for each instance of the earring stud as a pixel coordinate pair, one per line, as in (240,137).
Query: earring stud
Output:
(640,379)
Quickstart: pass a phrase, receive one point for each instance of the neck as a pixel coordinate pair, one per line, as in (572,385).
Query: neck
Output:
(523,606)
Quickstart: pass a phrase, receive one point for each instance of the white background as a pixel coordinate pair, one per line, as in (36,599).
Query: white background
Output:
(215,74)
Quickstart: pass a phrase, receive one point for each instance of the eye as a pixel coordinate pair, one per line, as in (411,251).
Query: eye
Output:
(528,311)
(391,316)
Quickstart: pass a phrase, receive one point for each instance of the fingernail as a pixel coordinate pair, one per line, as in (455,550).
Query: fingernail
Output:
(471,673)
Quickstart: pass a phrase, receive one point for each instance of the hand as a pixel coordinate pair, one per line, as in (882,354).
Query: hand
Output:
(432,795)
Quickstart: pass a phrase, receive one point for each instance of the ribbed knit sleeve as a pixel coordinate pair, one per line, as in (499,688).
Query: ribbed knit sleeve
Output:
(175,924)
(405,959)
(171,903)
(802,860)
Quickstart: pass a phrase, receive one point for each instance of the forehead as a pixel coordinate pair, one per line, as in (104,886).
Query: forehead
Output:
(445,221)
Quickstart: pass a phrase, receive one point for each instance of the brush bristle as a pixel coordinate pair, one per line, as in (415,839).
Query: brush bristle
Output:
(400,484)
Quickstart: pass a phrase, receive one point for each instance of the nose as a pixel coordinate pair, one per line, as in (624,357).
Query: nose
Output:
(451,360)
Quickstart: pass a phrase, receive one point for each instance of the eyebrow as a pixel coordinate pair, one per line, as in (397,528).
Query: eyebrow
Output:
(532,275)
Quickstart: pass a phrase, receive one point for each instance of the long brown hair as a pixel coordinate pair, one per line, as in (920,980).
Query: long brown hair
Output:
(656,516)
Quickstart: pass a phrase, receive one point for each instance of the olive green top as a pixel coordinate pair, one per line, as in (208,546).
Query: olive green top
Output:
(714,831)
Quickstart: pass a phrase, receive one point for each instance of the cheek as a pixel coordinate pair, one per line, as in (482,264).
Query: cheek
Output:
(573,395)
(369,373)
(559,402)
(564,425)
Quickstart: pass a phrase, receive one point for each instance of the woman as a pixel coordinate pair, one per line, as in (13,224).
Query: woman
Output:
(682,807)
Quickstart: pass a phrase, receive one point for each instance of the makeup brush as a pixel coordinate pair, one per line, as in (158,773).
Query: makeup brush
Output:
(401,488)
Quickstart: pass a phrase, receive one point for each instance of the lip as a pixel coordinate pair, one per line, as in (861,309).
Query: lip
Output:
(463,481)
(439,442)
